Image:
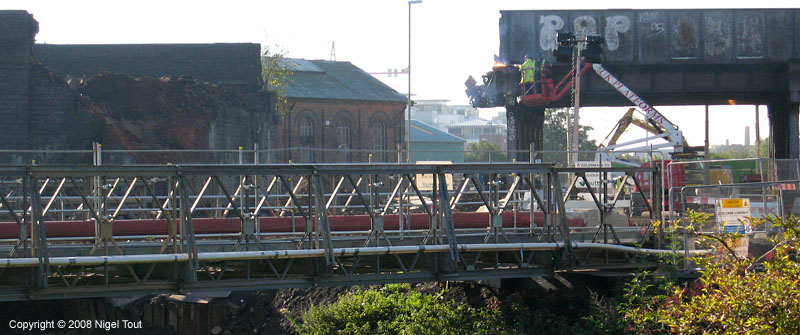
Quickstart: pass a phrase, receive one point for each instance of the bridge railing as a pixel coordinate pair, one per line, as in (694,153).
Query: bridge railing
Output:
(99,156)
(46,157)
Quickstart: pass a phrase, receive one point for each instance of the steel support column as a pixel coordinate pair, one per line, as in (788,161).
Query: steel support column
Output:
(187,232)
(783,125)
(525,126)
(40,237)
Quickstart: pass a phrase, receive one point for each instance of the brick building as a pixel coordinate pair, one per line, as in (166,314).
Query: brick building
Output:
(339,113)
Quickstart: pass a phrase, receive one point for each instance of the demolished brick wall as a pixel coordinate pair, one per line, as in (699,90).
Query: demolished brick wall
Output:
(39,110)
(176,113)
(58,116)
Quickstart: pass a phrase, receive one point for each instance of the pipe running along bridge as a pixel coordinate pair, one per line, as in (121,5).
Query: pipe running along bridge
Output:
(116,231)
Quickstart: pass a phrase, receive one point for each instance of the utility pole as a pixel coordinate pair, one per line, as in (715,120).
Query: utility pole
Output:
(706,153)
(577,102)
(408,119)
(758,135)
(568,45)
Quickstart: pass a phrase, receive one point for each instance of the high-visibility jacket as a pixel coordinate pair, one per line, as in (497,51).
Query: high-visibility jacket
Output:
(528,70)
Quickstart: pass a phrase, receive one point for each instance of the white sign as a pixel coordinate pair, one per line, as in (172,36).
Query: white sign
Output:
(593,177)
(731,212)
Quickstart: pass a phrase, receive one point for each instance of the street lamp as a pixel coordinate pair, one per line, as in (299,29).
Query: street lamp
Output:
(408,119)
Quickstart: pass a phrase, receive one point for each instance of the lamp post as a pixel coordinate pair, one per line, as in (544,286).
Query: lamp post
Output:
(408,107)
(577,104)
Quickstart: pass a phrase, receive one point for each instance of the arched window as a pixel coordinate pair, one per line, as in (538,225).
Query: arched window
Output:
(306,138)
(343,139)
(379,140)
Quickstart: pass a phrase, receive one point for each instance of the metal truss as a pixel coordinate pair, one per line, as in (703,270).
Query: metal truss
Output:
(105,231)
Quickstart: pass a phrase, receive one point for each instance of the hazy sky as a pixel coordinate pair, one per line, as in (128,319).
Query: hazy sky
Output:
(451,40)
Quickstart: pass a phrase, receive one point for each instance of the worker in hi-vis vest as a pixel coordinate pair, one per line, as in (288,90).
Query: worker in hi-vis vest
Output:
(528,75)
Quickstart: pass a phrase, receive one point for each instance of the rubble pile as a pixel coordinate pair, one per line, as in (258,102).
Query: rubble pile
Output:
(155,113)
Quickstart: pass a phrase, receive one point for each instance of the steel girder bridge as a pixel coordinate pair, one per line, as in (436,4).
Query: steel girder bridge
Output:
(70,232)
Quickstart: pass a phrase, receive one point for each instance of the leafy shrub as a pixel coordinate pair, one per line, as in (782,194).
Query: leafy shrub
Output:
(396,309)
(734,294)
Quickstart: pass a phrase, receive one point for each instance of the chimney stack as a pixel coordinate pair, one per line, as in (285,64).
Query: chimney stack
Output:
(746,136)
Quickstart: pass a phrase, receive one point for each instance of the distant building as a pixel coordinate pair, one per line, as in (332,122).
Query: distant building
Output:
(431,144)
(439,114)
(339,113)
(480,130)
(500,118)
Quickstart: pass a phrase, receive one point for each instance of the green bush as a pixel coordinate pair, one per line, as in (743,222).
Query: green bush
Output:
(396,309)
(734,294)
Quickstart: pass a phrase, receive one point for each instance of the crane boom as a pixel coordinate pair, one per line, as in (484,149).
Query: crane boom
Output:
(650,114)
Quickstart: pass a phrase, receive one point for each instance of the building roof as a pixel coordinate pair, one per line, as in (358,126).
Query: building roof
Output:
(423,132)
(319,79)
(218,63)
(475,123)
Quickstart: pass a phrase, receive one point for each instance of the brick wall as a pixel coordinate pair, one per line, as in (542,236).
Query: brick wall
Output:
(17,29)
(37,108)
(58,119)
(14,106)
(243,127)
(325,116)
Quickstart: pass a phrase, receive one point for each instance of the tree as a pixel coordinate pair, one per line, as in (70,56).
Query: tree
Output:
(484,151)
(555,135)
(764,145)
(276,74)
(734,152)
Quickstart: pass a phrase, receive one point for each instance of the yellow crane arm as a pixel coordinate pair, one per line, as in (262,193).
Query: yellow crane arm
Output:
(647,126)
(626,120)
(618,129)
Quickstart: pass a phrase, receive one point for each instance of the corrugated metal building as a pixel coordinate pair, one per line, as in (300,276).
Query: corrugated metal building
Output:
(431,144)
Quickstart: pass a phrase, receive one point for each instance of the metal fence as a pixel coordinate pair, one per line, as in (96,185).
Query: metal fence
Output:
(770,186)
(46,157)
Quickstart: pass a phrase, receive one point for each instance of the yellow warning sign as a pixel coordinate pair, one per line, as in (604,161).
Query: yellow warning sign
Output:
(732,212)
(734,203)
